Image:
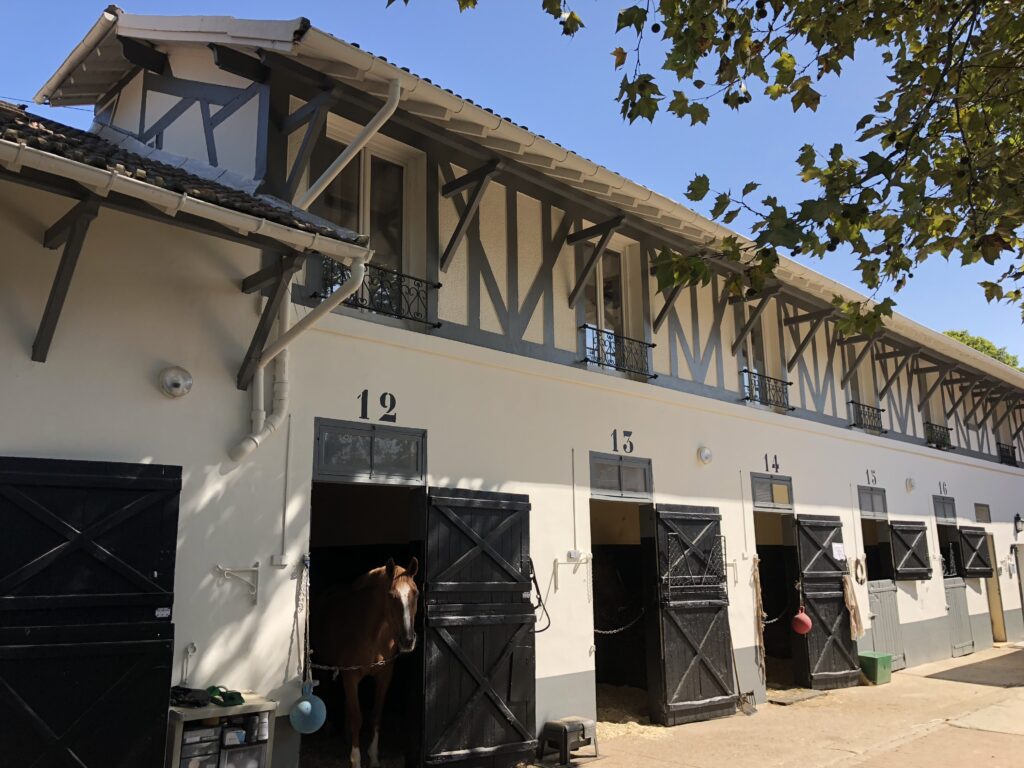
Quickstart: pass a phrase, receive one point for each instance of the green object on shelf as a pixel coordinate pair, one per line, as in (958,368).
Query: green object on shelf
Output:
(876,666)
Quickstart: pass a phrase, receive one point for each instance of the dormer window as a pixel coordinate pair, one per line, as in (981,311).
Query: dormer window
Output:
(368,196)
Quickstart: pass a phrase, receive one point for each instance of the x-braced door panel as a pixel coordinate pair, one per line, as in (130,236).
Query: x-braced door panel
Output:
(689,659)
(479,643)
(826,656)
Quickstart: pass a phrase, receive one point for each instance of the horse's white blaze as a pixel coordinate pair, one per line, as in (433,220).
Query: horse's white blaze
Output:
(354,757)
(408,605)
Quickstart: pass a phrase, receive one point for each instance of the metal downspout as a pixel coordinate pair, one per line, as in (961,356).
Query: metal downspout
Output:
(369,131)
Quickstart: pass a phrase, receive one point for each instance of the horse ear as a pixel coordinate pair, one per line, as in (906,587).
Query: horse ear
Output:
(390,567)
(414,567)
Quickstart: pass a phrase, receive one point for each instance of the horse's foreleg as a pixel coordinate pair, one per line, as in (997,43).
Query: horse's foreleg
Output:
(383,680)
(354,715)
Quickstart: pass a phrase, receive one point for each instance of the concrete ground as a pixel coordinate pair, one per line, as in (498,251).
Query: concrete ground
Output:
(959,712)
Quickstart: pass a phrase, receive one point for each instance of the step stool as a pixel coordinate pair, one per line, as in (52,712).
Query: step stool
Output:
(565,736)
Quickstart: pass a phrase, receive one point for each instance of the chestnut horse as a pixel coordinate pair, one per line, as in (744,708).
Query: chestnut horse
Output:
(361,630)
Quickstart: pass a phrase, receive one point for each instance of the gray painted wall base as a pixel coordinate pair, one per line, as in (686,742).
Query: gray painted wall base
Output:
(1014,624)
(286,744)
(981,628)
(564,695)
(927,641)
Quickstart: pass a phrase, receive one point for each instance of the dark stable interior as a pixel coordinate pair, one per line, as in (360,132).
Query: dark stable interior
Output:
(621,658)
(877,549)
(355,528)
(778,569)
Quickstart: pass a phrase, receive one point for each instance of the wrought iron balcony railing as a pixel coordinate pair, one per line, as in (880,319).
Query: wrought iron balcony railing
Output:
(937,436)
(610,350)
(765,390)
(384,291)
(867,417)
(1007,454)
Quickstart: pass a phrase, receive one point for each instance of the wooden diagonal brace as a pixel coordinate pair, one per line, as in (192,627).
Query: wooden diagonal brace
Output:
(58,234)
(480,177)
(70,232)
(1010,408)
(595,230)
(816,323)
(907,360)
(961,397)
(608,229)
(748,326)
(809,317)
(670,300)
(857,361)
(992,407)
(1018,430)
(284,268)
(978,401)
(315,123)
(943,374)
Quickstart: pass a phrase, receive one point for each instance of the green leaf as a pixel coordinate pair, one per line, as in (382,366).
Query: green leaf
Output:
(552,7)
(571,24)
(721,203)
(620,56)
(634,16)
(680,105)
(698,188)
(698,113)
(785,68)
(749,187)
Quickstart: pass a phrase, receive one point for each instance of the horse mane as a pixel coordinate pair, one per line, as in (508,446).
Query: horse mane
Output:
(372,577)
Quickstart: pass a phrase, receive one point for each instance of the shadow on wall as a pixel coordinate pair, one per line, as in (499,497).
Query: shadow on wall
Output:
(215,532)
(1003,671)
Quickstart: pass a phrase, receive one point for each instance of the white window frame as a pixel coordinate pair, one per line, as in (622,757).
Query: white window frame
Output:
(414,165)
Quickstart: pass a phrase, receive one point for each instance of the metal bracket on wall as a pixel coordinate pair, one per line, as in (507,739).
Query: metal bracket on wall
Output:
(235,573)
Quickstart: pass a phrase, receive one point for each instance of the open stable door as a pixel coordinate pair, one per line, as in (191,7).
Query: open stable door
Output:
(478,630)
(826,657)
(689,647)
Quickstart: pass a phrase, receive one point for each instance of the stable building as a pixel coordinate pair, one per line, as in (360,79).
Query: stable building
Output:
(288,303)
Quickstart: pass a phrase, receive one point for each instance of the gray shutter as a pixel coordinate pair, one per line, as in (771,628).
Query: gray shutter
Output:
(910,551)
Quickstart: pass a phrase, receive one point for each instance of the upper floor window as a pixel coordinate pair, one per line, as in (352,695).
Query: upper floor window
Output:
(368,196)
(608,321)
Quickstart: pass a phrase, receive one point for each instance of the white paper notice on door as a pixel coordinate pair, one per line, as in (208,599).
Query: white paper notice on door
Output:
(838,551)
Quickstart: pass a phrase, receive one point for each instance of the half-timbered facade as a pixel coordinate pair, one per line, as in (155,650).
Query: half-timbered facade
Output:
(510,334)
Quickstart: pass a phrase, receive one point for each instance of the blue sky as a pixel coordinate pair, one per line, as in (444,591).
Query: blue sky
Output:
(511,57)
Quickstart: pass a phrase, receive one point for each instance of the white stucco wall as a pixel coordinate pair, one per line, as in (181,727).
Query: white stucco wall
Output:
(149,295)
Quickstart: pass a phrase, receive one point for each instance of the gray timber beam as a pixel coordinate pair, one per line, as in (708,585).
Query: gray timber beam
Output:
(993,404)
(315,121)
(889,354)
(857,361)
(1016,432)
(762,305)
(964,392)
(816,323)
(752,295)
(609,228)
(1010,408)
(943,373)
(477,179)
(854,339)
(143,55)
(593,231)
(236,63)
(670,300)
(978,401)
(70,232)
(910,357)
(285,268)
(809,317)
(58,234)
(930,369)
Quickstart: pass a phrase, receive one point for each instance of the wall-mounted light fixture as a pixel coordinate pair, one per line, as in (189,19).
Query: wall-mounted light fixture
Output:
(704,454)
(1018,524)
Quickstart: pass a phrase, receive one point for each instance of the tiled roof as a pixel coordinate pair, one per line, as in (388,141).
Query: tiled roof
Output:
(21,127)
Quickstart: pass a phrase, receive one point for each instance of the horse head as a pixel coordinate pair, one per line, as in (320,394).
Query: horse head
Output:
(403,600)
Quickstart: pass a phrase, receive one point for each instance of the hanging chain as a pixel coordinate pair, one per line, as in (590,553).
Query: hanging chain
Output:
(622,628)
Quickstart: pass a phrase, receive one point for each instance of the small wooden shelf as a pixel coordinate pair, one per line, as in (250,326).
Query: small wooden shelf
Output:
(179,717)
